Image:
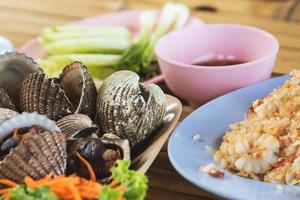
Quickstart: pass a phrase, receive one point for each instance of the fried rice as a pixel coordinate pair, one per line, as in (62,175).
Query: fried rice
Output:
(266,144)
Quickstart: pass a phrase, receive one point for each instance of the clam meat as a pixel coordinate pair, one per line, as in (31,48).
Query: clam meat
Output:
(100,153)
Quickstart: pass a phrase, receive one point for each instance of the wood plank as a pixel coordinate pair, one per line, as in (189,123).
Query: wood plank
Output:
(274,9)
(162,175)
(77,9)
(159,194)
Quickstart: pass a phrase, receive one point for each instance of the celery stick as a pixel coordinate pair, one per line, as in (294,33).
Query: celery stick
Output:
(99,65)
(55,36)
(107,46)
(165,23)
(132,57)
(105,29)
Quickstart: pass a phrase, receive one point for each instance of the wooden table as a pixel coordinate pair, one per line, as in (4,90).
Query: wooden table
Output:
(21,20)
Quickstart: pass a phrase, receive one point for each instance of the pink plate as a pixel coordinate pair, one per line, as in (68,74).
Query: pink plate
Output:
(129,19)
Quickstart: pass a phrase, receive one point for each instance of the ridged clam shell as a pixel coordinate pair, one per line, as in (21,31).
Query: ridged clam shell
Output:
(6,113)
(44,95)
(26,120)
(73,123)
(79,86)
(128,109)
(36,157)
(5,100)
(14,67)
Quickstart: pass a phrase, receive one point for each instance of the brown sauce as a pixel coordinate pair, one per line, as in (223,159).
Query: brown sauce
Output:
(220,62)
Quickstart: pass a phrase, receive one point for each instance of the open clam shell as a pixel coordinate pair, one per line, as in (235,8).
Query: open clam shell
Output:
(44,95)
(14,67)
(71,124)
(36,157)
(79,86)
(73,92)
(26,120)
(5,100)
(128,109)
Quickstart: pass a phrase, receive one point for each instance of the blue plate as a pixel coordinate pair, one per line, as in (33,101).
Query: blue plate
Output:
(210,122)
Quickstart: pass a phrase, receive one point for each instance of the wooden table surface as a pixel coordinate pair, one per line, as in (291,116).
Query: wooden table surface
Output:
(22,20)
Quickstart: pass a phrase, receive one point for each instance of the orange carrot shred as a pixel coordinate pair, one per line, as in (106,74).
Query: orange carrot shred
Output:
(8,182)
(4,191)
(7,197)
(113,184)
(88,166)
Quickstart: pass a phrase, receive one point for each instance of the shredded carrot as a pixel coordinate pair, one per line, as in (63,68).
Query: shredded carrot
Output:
(7,197)
(8,182)
(113,184)
(88,166)
(70,187)
(18,135)
(4,191)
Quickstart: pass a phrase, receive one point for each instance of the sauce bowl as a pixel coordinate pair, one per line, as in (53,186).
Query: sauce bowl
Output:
(178,51)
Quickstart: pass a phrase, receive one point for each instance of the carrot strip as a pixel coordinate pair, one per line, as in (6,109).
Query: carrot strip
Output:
(7,196)
(113,184)
(88,166)
(3,191)
(8,182)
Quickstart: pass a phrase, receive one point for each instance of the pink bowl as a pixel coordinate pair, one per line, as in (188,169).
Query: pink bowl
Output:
(177,51)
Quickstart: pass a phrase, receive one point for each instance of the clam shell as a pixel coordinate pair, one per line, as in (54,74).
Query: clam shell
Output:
(6,114)
(71,124)
(36,157)
(128,109)
(44,95)
(14,67)
(79,86)
(26,120)
(5,100)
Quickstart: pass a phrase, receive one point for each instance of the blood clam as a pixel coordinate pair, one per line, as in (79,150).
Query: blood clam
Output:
(5,100)
(40,150)
(71,124)
(101,153)
(14,67)
(129,109)
(73,92)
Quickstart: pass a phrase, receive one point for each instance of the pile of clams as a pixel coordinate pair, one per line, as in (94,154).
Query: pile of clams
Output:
(56,124)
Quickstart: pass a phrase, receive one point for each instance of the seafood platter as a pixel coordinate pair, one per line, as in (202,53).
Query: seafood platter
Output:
(65,125)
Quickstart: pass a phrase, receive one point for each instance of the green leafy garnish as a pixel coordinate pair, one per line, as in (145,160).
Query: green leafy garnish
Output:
(22,192)
(135,182)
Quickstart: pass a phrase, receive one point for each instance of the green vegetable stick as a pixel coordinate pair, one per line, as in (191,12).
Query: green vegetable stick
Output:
(165,23)
(107,46)
(131,59)
(100,66)
(105,29)
(55,36)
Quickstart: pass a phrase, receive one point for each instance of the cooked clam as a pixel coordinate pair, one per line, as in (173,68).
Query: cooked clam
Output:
(73,92)
(5,100)
(14,67)
(101,153)
(80,88)
(74,123)
(31,145)
(129,109)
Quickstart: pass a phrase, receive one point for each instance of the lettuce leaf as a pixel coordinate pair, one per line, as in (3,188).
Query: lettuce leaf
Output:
(136,183)
(22,192)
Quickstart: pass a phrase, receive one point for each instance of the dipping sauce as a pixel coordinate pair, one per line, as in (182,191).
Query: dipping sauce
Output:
(220,62)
